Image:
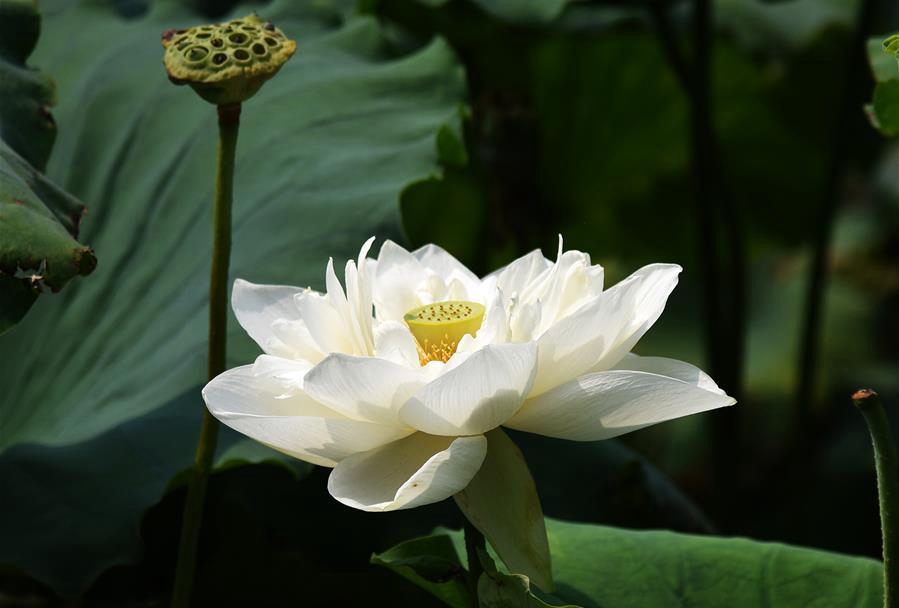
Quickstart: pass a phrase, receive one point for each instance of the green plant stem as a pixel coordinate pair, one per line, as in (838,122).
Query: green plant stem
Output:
(887,466)
(229,123)
(474,540)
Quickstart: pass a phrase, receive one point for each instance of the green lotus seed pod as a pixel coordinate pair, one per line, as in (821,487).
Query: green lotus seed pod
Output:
(226,63)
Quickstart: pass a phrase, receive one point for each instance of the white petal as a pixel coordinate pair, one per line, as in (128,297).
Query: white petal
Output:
(494,328)
(295,340)
(287,374)
(297,425)
(324,323)
(524,319)
(598,335)
(363,388)
(671,368)
(357,330)
(639,303)
(513,279)
(397,278)
(476,395)
(359,294)
(449,269)
(606,404)
(418,470)
(571,283)
(258,306)
(394,342)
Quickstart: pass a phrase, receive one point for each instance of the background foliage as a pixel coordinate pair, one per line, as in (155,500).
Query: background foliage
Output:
(488,128)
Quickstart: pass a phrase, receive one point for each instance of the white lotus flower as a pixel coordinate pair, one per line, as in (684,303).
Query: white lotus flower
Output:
(398,381)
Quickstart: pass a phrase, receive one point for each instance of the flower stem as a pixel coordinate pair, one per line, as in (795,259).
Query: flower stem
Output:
(885,461)
(229,122)
(474,540)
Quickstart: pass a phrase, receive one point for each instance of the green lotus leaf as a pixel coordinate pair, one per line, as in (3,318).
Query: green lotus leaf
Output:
(597,566)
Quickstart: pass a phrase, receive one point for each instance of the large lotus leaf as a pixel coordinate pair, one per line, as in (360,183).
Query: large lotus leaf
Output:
(598,566)
(38,221)
(100,406)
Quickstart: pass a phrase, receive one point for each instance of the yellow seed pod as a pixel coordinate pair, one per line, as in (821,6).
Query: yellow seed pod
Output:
(226,63)
(438,328)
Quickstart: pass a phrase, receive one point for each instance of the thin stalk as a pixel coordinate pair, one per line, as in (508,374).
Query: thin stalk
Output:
(724,291)
(229,123)
(810,339)
(887,466)
(474,540)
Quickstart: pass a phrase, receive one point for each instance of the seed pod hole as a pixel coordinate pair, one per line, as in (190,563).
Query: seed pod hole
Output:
(196,53)
(238,38)
(249,28)
(219,58)
(241,55)
(259,49)
(203,35)
(217,43)
(271,41)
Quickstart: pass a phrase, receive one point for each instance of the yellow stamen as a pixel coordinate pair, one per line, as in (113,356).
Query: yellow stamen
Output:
(439,327)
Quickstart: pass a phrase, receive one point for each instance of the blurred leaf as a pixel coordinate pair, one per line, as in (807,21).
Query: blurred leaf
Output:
(598,566)
(324,152)
(787,25)
(516,11)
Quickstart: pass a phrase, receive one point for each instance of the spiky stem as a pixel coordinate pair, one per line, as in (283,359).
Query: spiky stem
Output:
(885,462)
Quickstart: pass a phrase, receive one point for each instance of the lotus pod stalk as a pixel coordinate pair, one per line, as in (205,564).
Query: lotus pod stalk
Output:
(225,64)
(886,466)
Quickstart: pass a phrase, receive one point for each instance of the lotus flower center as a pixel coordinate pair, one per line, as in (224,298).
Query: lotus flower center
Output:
(439,327)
